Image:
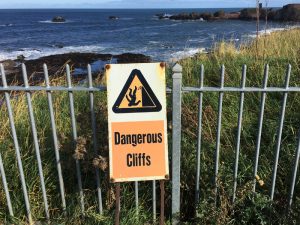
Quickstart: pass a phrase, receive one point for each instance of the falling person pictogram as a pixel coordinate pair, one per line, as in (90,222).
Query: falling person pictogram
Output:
(136,96)
(132,97)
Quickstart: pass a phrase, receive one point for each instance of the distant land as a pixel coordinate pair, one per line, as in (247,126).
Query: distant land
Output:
(290,12)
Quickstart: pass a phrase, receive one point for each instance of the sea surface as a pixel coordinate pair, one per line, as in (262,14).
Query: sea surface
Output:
(32,34)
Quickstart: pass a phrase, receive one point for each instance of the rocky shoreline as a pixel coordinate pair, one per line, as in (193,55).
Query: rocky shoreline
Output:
(288,13)
(56,65)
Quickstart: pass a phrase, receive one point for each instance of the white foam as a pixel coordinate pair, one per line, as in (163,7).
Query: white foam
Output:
(187,53)
(6,25)
(271,30)
(50,21)
(154,42)
(30,53)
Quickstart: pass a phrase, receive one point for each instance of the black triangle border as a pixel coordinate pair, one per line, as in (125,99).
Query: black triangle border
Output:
(124,91)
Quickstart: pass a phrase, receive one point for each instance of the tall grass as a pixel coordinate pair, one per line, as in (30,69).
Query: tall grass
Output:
(277,49)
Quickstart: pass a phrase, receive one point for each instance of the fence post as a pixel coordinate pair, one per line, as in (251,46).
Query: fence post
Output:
(176,141)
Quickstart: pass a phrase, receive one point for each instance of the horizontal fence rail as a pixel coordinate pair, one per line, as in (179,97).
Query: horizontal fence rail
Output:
(48,89)
(221,90)
(178,92)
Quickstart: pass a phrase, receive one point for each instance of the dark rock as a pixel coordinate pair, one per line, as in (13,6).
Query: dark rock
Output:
(56,64)
(132,58)
(290,12)
(9,64)
(21,58)
(164,16)
(192,16)
(219,13)
(248,14)
(113,17)
(58,19)
(58,46)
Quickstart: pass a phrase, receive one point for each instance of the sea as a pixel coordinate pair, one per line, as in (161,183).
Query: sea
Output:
(31,32)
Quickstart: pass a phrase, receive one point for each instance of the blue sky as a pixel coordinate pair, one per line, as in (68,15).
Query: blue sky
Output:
(138,3)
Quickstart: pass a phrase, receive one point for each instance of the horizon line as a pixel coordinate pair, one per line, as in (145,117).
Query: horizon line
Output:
(70,8)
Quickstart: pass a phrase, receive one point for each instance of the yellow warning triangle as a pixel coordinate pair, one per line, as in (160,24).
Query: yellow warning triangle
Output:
(136,96)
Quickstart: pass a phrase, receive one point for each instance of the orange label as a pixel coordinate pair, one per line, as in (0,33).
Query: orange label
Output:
(138,150)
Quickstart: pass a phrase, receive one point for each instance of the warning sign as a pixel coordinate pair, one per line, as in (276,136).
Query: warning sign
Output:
(137,123)
(136,96)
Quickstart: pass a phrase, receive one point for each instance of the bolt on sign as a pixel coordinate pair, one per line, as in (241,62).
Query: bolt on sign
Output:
(138,142)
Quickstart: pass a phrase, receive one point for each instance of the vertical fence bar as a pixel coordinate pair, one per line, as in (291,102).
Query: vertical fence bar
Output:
(74,131)
(176,142)
(17,148)
(294,175)
(2,174)
(154,200)
(219,125)
(238,141)
(162,202)
(118,203)
(35,140)
(55,140)
(278,144)
(200,103)
(260,123)
(95,142)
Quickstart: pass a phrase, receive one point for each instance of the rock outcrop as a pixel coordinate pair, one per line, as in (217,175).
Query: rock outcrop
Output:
(58,19)
(113,17)
(290,12)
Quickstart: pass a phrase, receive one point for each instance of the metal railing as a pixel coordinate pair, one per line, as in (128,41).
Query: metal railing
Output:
(177,91)
(49,90)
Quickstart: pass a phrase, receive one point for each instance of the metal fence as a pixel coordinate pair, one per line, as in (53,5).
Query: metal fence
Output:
(177,91)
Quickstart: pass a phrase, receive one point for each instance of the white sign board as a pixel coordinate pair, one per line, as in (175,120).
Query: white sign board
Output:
(137,124)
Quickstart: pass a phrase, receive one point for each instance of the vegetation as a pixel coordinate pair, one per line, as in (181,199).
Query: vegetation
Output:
(277,49)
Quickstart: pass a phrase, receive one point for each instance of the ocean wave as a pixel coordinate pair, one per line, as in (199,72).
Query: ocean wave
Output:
(187,53)
(146,27)
(126,18)
(271,30)
(50,21)
(6,25)
(30,53)
(154,42)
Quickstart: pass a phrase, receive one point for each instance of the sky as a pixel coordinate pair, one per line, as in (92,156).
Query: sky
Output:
(139,3)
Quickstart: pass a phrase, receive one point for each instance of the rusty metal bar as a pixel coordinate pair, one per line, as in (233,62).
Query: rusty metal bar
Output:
(117,211)
(162,203)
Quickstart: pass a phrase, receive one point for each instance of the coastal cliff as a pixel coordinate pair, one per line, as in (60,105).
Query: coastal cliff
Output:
(290,12)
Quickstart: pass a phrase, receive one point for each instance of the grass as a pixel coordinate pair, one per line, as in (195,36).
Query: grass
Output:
(277,49)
